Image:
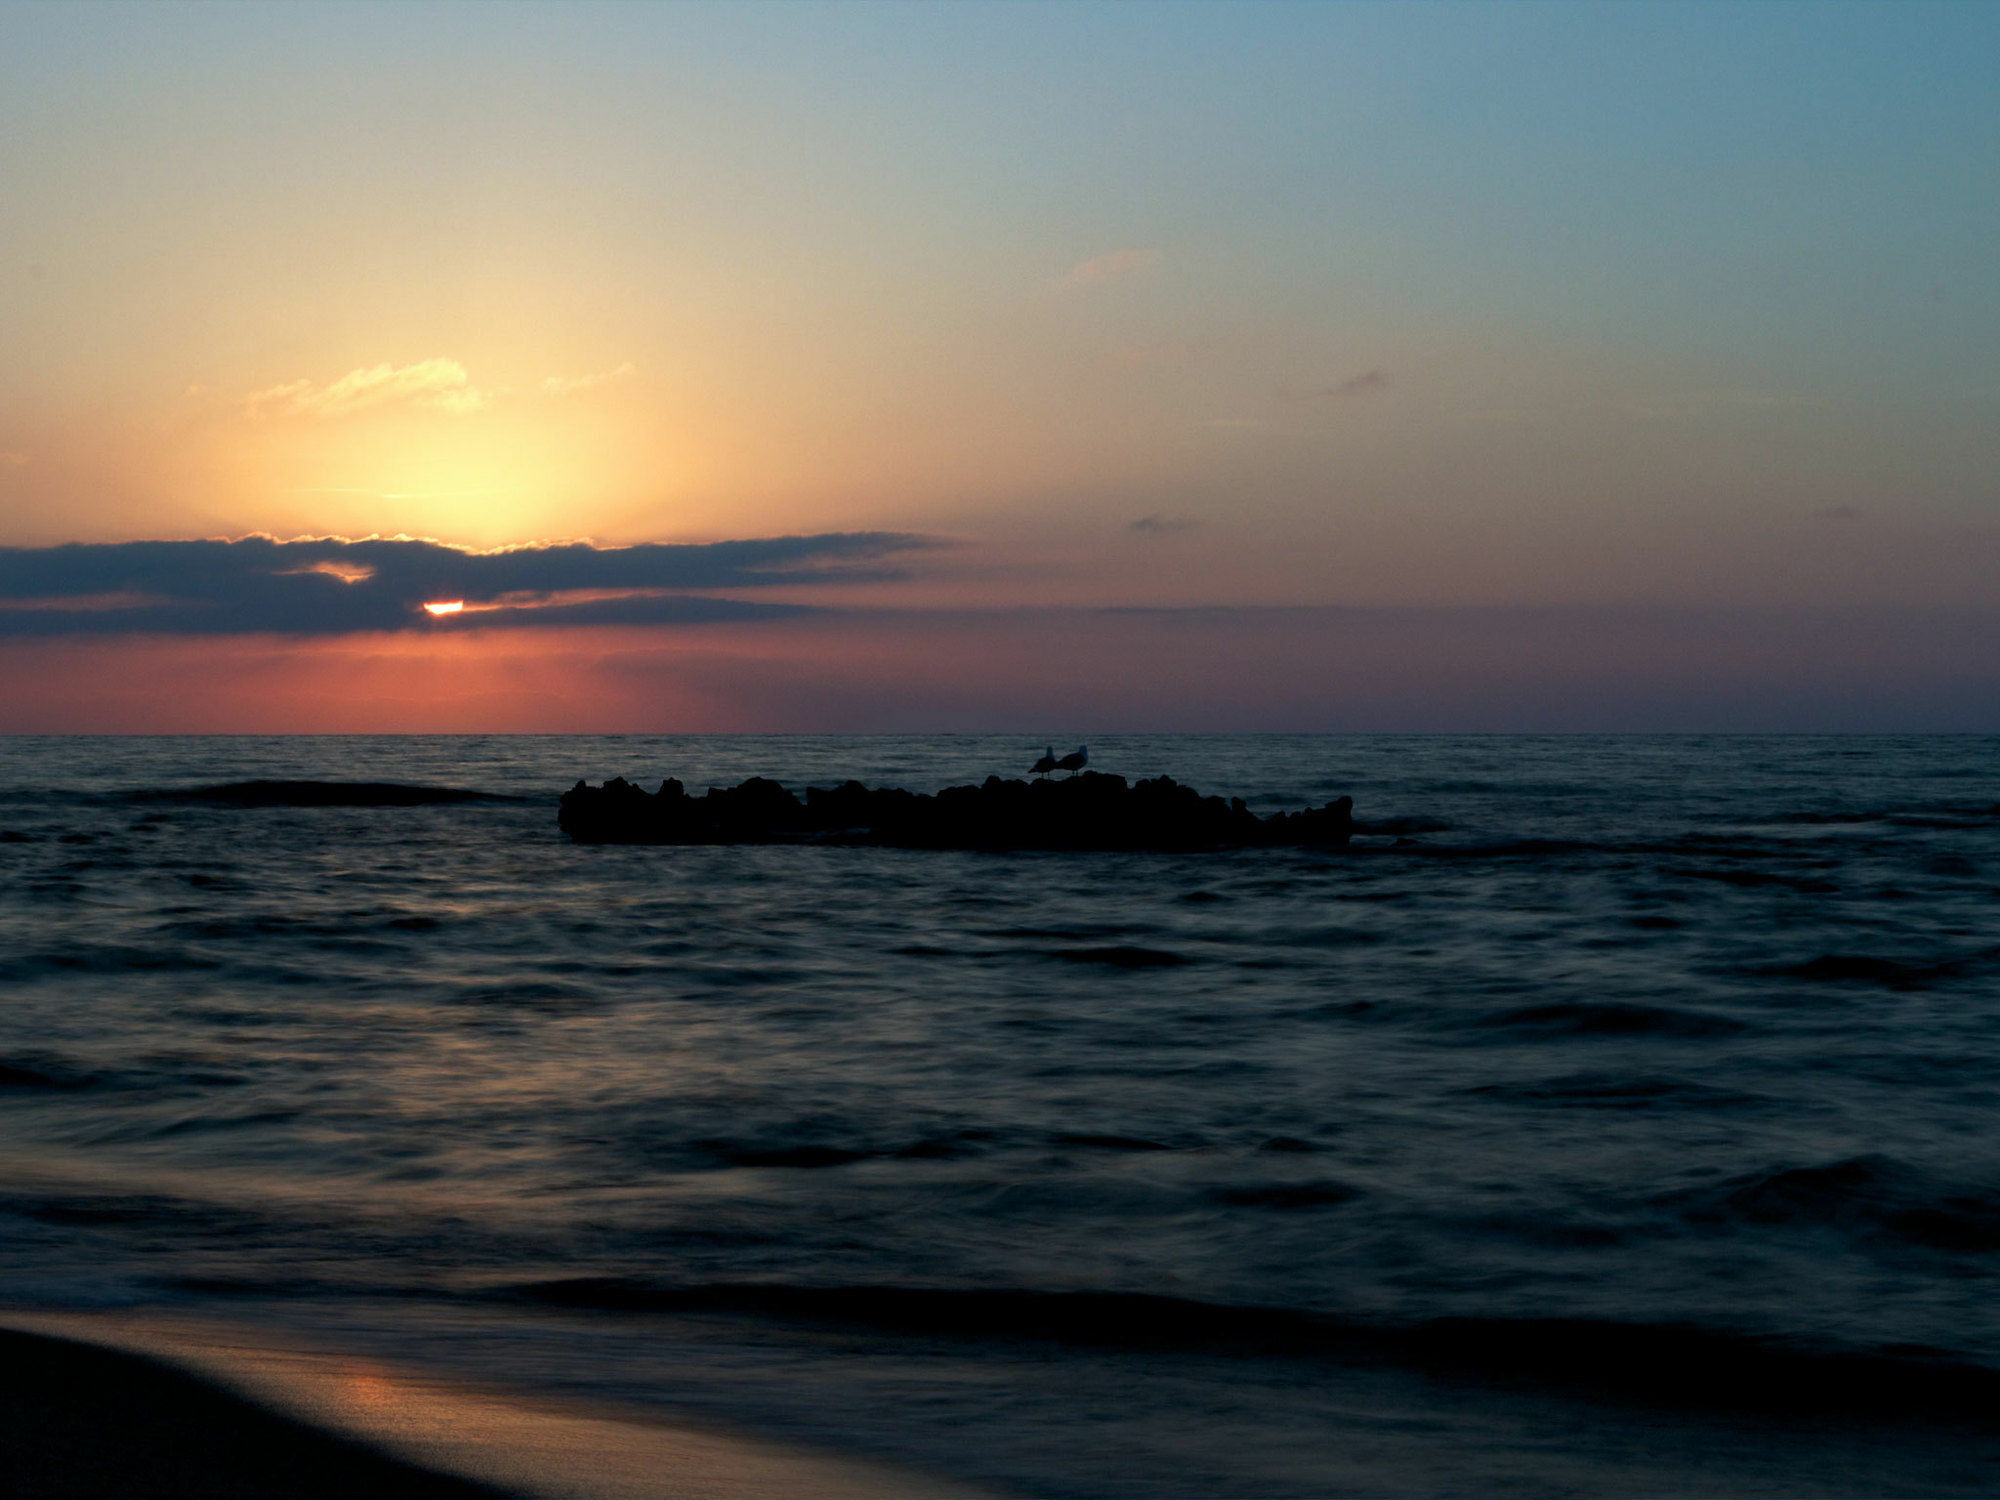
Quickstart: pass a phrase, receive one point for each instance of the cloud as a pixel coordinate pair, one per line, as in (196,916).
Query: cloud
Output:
(569,385)
(1110,267)
(1162,525)
(438,384)
(334,585)
(337,567)
(11,458)
(1367,383)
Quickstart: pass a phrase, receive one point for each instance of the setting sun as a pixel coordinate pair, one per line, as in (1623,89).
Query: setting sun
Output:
(448,607)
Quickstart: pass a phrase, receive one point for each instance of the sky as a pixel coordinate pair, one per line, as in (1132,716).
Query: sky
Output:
(1040,368)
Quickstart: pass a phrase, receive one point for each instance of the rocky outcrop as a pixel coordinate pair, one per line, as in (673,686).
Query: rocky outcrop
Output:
(1091,811)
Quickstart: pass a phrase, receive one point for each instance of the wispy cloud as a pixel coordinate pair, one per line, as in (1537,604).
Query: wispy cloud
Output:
(1113,266)
(12,458)
(1162,525)
(438,384)
(570,385)
(335,585)
(1367,383)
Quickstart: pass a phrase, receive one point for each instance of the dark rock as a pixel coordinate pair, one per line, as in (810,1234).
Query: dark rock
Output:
(1091,811)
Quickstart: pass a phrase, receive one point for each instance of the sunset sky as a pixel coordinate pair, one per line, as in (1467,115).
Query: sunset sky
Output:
(1034,367)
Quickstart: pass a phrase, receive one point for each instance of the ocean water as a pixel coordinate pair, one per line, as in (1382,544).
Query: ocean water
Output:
(1617,1115)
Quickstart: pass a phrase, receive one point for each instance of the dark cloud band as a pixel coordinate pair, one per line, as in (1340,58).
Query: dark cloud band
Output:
(331,585)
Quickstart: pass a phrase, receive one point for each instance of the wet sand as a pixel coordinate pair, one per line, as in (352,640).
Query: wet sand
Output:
(164,1408)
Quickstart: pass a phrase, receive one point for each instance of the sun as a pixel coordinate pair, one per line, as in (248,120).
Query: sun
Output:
(446,607)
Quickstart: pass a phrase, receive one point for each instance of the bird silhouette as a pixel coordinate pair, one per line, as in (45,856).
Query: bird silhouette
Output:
(1046,764)
(1076,760)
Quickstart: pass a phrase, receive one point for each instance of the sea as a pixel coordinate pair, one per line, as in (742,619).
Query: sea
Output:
(1615,1116)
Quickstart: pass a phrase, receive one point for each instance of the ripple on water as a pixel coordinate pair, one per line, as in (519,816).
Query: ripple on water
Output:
(1636,1058)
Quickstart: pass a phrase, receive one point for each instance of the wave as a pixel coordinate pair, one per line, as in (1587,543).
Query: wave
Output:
(1111,1142)
(110,958)
(355,927)
(738,1154)
(1862,968)
(1692,846)
(1322,1194)
(1403,826)
(44,1072)
(154,1213)
(1943,823)
(1871,1197)
(1590,1091)
(1938,815)
(1608,1018)
(808,1154)
(24,1073)
(317,794)
(1659,1363)
(1122,956)
(1527,848)
(1804,885)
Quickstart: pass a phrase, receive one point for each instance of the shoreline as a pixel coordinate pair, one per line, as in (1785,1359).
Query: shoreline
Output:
(155,1405)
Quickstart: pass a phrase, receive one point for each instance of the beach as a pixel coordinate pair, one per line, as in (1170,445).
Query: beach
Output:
(157,1408)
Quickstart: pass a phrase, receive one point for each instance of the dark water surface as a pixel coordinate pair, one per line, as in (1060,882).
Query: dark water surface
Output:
(1618,1115)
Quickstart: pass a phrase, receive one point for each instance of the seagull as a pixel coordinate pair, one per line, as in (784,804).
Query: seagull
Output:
(1046,764)
(1076,760)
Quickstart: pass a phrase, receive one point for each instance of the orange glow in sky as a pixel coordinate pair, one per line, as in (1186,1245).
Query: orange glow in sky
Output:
(1359,314)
